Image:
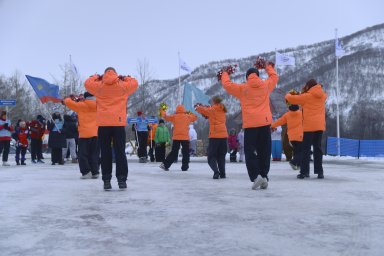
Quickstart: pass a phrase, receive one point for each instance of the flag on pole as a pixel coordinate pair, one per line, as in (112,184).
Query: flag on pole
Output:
(339,51)
(184,66)
(44,90)
(284,60)
(193,95)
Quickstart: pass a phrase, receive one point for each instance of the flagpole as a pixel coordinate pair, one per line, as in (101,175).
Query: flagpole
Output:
(337,99)
(179,91)
(70,66)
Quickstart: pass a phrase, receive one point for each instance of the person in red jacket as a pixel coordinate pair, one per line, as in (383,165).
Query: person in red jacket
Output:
(294,120)
(312,101)
(217,147)
(181,121)
(21,136)
(112,92)
(6,130)
(37,129)
(233,145)
(88,143)
(257,119)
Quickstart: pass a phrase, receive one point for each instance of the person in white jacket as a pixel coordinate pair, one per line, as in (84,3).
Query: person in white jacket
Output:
(240,139)
(192,140)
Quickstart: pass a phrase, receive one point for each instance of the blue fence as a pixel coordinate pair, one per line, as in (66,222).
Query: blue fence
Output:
(356,148)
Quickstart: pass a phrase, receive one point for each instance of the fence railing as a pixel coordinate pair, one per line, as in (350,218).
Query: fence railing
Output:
(356,148)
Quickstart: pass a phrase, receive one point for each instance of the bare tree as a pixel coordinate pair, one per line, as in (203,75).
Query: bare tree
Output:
(144,99)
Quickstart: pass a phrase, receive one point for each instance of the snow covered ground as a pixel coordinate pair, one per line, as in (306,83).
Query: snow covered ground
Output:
(48,210)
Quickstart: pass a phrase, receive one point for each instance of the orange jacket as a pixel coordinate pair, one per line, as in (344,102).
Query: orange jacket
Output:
(86,111)
(151,133)
(294,121)
(217,119)
(181,121)
(313,104)
(111,97)
(254,97)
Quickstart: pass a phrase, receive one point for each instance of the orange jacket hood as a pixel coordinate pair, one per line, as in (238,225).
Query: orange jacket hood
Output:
(217,120)
(180,109)
(110,77)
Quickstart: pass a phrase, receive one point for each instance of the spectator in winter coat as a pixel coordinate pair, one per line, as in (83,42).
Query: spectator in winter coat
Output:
(312,101)
(6,130)
(162,139)
(37,129)
(88,144)
(21,136)
(112,92)
(217,148)
(192,140)
(181,121)
(287,147)
(240,139)
(294,120)
(142,136)
(70,128)
(56,140)
(233,145)
(257,118)
(277,147)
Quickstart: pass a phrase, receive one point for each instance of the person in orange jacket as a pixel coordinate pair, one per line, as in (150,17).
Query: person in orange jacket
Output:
(88,145)
(312,101)
(257,119)
(181,120)
(218,134)
(151,141)
(294,120)
(112,92)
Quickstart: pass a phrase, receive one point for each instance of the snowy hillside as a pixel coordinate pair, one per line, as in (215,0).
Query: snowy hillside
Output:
(361,79)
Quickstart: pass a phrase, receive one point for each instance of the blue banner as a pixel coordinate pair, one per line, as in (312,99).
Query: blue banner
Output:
(193,95)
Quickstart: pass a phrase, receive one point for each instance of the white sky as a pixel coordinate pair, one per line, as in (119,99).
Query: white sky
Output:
(37,36)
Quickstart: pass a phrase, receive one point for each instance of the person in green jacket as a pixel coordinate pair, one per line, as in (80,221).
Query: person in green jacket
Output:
(162,139)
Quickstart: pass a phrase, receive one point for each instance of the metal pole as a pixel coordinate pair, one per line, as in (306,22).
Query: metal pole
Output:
(337,100)
(179,91)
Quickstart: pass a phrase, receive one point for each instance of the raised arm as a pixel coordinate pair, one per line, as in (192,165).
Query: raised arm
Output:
(130,85)
(92,84)
(231,87)
(75,106)
(279,122)
(272,79)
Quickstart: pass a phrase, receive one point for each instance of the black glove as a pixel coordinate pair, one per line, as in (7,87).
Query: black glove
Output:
(121,77)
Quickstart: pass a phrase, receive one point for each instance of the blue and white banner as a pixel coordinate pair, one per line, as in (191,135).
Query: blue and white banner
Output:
(339,51)
(284,60)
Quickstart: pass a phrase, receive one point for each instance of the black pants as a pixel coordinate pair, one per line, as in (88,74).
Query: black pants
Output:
(36,149)
(297,152)
(257,150)
(143,137)
(217,149)
(106,134)
(89,155)
(4,149)
(232,155)
(160,152)
(20,151)
(172,156)
(312,139)
(151,150)
(56,155)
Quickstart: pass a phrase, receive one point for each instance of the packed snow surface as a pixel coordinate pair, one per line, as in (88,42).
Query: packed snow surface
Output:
(48,210)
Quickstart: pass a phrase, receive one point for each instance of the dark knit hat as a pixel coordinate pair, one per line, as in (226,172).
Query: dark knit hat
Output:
(293,107)
(110,68)
(87,95)
(161,121)
(250,71)
(310,84)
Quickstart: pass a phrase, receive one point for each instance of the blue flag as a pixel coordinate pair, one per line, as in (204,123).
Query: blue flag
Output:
(44,90)
(193,95)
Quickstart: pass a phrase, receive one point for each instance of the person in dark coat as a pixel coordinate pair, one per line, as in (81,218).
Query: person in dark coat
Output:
(70,127)
(57,140)
(37,129)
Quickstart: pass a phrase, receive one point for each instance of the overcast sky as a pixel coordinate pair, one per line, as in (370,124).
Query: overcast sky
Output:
(38,36)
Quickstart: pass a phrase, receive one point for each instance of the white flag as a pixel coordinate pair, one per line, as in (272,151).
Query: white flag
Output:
(284,60)
(184,66)
(339,51)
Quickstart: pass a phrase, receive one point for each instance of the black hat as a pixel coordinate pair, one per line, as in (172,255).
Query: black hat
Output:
(110,68)
(87,95)
(161,121)
(293,107)
(252,70)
